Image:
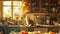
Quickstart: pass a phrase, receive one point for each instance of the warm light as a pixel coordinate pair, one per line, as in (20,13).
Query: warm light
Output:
(45,33)
(23,4)
(17,3)
(17,9)
(6,2)
(26,20)
(7,12)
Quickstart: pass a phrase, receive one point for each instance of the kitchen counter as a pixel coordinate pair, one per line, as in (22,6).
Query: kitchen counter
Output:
(43,26)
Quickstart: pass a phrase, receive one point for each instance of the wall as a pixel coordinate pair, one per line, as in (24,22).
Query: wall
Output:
(1,9)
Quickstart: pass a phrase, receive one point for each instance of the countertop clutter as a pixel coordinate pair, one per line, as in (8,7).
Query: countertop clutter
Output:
(38,24)
(24,29)
(34,32)
(7,24)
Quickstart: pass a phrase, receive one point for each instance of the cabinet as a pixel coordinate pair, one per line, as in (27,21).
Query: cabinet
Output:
(34,5)
(44,26)
(44,6)
(53,6)
(33,29)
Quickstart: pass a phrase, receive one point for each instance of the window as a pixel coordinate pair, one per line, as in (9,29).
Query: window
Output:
(35,5)
(7,9)
(17,9)
(12,9)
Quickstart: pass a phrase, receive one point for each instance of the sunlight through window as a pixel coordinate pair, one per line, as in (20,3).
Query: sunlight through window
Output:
(8,7)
